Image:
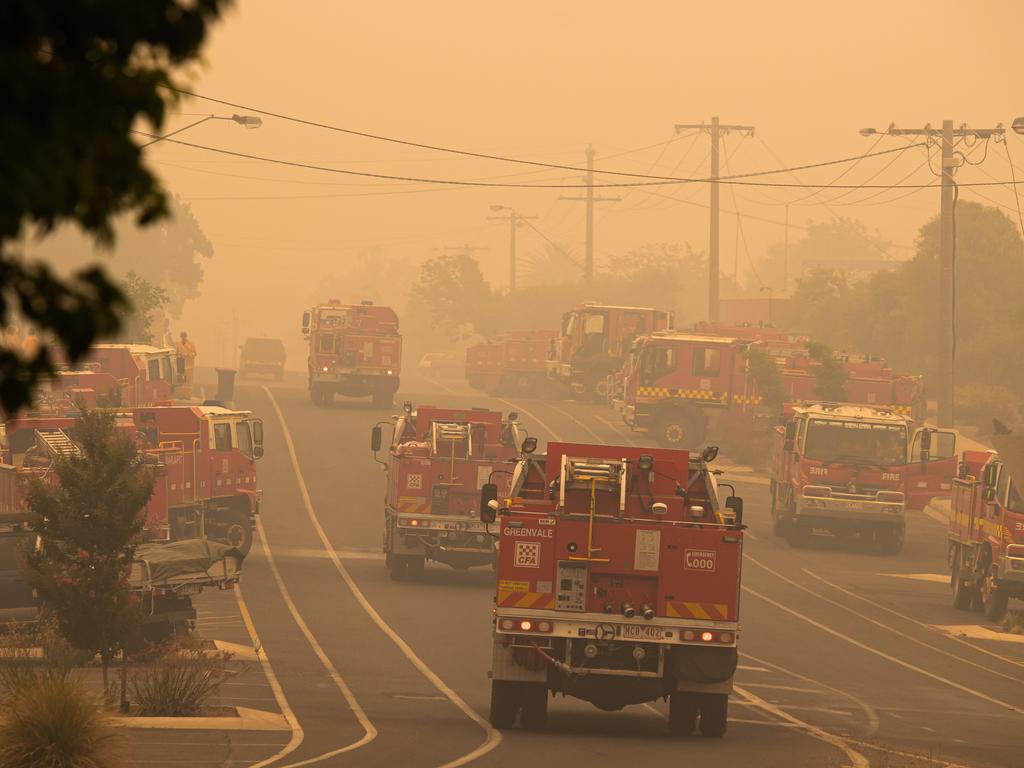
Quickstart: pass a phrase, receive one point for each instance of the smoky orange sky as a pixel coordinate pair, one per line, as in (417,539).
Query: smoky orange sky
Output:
(541,81)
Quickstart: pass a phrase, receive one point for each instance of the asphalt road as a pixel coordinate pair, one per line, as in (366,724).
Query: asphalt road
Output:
(846,656)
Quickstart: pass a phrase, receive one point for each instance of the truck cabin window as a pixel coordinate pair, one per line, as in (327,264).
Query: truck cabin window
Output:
(854,442)
(326,344)
(707,361)
(153,367)
(655,363)
(244,435)
(1014,500)
(222,437)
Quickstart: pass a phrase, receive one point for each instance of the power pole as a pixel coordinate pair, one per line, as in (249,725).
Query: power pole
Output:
(590,200)
(715,131)
(945,352)
(515,220)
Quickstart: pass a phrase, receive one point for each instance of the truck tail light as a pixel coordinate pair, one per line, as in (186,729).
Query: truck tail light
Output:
(525,625)
(324,369)
(707,637)
(818,491)
(414,523)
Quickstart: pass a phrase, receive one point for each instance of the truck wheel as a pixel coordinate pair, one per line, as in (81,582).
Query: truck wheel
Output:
(397,566)
(680,429)
(890,539)
(383,398)
(238,530)
(798,533)
(995,600)
(778,521)
(533,698)
(963,594)
(414,565)
(683,708)
(504,703)
(714,713)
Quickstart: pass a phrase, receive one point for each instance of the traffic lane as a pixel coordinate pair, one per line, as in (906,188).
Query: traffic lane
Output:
(415,727)
(446,600)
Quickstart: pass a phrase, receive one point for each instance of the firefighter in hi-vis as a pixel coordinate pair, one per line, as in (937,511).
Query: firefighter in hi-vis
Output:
(186,351)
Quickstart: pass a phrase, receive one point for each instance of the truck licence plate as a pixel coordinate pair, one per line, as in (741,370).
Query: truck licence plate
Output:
(635,632)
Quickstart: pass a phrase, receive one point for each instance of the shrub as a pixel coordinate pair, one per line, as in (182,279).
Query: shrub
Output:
(977,404)
(179,681)
(49,721)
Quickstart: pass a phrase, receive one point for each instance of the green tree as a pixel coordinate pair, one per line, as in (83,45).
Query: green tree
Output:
(767,377)
(89,520)
(829,374)
(76,78)
(454,292)
(144,298)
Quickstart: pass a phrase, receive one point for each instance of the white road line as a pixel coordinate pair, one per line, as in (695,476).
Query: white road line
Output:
(870,714)
(880,624)
(369,731)
(883,655)
(618,430)
(972,646)
(492,737)
(577,422)
(268,671)
(535,417)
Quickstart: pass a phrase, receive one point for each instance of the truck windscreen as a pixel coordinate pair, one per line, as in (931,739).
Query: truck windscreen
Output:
(856,442)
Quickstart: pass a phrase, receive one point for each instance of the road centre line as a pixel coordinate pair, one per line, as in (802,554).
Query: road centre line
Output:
(297,734)
(537,419)
(493,737)
(882,654)
(369,731)
(877,623)
(577,422)
(972,646)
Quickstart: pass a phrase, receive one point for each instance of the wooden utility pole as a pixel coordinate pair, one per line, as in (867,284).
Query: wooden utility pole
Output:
(515,220)
(715,131)
(590,200)
(945,338)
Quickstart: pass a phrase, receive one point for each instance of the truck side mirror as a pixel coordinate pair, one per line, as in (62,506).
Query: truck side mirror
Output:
(529,446)
(926,446)
(790,440)
(488,494)
(375,436)
(735,503)
(257,438)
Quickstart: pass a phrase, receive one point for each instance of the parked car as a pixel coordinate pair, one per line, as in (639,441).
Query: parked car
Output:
(440,365)
(262,356)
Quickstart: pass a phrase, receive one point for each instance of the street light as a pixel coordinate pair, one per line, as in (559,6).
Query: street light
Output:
(246,121)
(1018,125)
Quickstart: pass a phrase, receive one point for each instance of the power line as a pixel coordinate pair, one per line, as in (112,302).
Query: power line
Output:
(1016,192)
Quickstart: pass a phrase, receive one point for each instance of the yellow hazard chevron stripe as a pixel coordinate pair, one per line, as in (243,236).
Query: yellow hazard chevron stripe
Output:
(685,610)
(509,599)
(412,506)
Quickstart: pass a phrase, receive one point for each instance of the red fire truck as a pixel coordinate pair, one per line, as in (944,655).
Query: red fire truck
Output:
(593,342)
(618,583)
(438,460)
(510,363)
(203,457)
(673,382)
(986,535)
(852,471)
(145,374)
(354,350)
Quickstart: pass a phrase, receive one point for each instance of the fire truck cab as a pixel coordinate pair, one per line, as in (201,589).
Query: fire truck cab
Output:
(354,350)
(618,583)
(511,363)
(593,341)
(438,460)
(986,535)
(853,471)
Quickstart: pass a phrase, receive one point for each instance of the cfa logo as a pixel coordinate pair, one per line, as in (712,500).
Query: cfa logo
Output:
(527,554)
(700,560)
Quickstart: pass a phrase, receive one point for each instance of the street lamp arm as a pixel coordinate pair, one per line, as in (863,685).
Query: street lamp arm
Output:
(185,128)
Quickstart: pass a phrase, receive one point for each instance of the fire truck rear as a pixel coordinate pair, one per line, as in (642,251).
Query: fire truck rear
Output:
(354,350)
(511,363)
(438,460)
(986,535)
(853,471)
(618,583)
(593,342)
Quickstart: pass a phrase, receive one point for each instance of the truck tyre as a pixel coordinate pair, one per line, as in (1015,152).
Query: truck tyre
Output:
(963,594)
(383,398)
(997,603)
(778,521)
(714,713)
(683,708)
(798,533)
(890,539)
(397,566)
(237,530)
(533,698)
(680,428)
(414,566)
(504,703)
